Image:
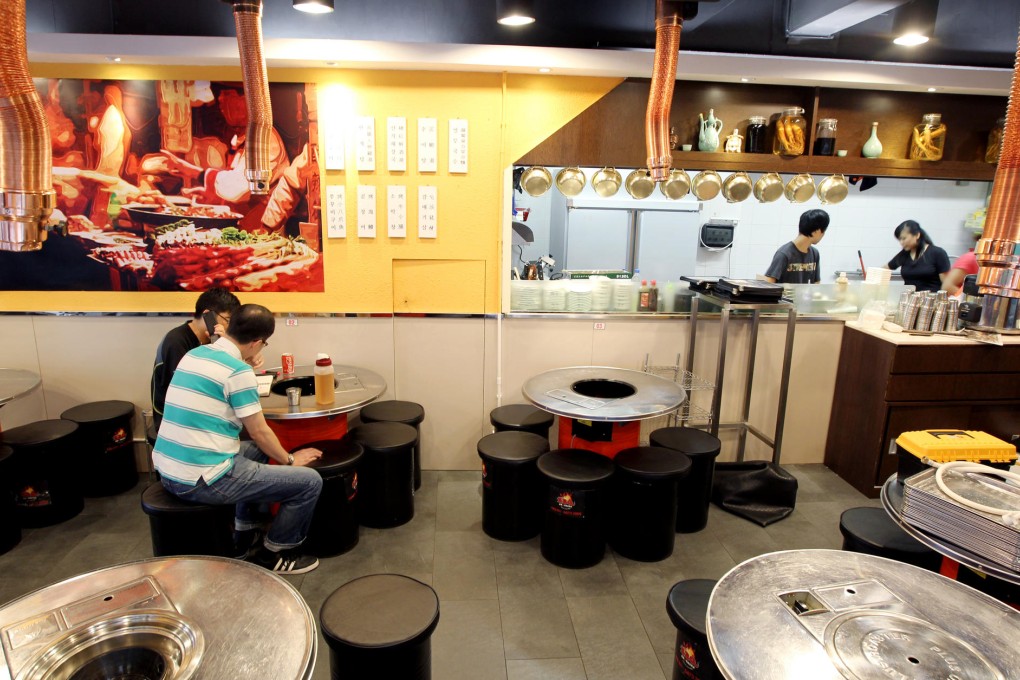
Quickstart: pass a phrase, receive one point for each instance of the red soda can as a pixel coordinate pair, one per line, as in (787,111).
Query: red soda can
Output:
(288,363)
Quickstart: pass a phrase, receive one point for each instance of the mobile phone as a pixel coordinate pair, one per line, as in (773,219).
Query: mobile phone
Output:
(210,324)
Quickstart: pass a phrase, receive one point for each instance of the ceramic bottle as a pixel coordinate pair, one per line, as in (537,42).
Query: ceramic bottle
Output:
(708,133)
(872,147)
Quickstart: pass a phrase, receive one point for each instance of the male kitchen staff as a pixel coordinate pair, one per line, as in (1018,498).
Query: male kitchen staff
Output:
(798,260)
(201,458)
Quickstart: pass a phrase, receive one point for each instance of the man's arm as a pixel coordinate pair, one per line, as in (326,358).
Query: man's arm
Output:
(952,280)
(268,443)
(778,267)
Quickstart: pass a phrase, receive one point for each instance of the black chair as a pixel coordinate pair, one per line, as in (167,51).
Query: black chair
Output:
(107,446)
(406,412)
(334,529)
(178,527)
(687,606)
(48,484)
(385,474)
(871,531)
(577,504)
(521,418)
(696,489)
(380,626)
(642,521)
(511,486)
(10,529)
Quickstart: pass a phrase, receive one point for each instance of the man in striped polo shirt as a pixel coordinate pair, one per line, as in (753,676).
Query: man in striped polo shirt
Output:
(201,458)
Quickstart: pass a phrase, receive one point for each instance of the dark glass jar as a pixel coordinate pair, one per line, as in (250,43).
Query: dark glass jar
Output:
(825,137)
(754,140)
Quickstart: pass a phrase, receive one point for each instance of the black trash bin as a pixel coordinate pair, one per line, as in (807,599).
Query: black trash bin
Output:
(406,412)
(179,527)
(47,479)
(334,529)
(521,418)
(385,474)
(511,486)
(107,446)
(576,506)
(380,626)
(871,531)
(695,490)
(10,529)
(687,606)
(642,521)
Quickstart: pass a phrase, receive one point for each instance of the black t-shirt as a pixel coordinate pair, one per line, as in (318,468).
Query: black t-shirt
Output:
(175,345)
(789,265)
(922,273)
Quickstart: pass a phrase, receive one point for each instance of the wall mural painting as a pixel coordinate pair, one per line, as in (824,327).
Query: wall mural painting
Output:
(150,181)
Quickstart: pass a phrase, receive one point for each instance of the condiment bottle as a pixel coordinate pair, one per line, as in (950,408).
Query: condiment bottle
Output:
(653,297)
(644,297)
(842,283)
(995,142)
(791,133)
(756,133)
(825,137)
(324,385)
(928,138)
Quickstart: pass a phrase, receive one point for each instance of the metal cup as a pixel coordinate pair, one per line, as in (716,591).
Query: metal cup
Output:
(293,396)
(938,319)
(910,312)
(952,315)
(924,313)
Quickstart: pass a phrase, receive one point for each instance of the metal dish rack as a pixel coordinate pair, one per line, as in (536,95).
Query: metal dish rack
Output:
(688,414)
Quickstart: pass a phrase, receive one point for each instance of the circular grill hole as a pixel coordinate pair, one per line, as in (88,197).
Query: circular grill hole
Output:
(130,663)
(599,388)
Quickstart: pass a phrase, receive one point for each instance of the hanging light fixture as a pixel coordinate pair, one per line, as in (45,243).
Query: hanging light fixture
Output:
(914,22)
(515,12)
(314,6)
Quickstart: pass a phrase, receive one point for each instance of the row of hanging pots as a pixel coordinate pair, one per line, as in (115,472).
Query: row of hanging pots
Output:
(705,185)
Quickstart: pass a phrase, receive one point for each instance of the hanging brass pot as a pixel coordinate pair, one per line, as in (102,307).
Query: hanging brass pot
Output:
(536,180)
(639,184)
(833,189)
(737,187)
(606,182)
(676,186)
(800,188)
(570,181)
(768,188)
(706,185)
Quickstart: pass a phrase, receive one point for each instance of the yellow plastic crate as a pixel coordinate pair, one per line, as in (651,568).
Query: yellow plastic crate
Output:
(943,446)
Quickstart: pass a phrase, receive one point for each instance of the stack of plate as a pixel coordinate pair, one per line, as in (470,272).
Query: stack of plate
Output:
(622,294)
(601,293)
(554,297)
(579,297)
(878,275)
(926,507)
(525,296)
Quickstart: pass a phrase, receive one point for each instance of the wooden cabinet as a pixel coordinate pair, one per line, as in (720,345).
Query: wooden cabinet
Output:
(612,131)
(884,389)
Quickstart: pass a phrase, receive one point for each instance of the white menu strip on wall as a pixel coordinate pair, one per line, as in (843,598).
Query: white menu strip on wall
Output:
(396,211)
(396,144)
(366,211)
(428,145)
(458,145)
(336,148)
(366,144)
(428,211)
(336,211)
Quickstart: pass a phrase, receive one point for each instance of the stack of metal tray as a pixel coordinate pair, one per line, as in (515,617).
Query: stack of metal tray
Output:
(926,507)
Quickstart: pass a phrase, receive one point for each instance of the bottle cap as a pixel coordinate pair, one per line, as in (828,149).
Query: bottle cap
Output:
(643,282)
(653,282)
(322,359)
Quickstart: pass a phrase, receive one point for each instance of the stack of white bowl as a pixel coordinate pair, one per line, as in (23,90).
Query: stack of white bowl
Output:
(623,295)
(601,293)
(878,276)
(525,296)
(579,296)
(554,296)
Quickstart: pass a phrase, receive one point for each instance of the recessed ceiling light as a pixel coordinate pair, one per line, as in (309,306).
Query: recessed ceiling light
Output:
(515,12)
(911,39)
(314,6)
(544,70)
(933,89)
(113,59)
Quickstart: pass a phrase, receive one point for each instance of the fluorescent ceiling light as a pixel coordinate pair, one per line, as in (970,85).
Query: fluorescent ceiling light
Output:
(314,6)
(515,12)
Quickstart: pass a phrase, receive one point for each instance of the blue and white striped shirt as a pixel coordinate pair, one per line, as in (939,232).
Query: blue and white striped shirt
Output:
(211,391)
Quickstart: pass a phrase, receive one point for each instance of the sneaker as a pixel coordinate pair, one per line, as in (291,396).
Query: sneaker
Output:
(246,541)
(284,562)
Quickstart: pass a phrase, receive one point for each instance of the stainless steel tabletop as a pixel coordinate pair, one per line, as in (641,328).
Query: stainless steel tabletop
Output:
(892,501)
(830,614)
(355,387)
(16,383)
(653,396)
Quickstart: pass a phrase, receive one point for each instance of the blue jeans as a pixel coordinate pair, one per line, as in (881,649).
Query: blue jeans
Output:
(251,482)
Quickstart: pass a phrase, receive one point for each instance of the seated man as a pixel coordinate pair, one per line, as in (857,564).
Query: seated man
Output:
(184,338)
(200,457)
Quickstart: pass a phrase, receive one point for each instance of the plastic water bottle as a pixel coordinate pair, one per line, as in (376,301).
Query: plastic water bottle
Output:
(324,385)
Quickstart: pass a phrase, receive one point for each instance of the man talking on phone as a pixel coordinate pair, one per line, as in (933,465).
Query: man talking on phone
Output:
(213,310)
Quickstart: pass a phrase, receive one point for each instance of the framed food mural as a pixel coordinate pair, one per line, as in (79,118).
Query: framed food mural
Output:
(149,177)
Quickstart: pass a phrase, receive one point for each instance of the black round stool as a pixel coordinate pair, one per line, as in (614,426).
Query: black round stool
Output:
(511,486)
(687,606)
(385,477)
(10,529)
(577,502)
(380,626)
(644,498)
(179,527)
(521,417)
(47,472)
(107,446)
(871,531)
(695,490)
(406,412)
(334,528)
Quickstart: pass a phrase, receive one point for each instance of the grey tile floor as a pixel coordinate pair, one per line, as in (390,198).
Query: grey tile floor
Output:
(505,613)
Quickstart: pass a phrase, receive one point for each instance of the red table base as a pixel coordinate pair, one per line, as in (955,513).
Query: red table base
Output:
(294,434)
(623,435)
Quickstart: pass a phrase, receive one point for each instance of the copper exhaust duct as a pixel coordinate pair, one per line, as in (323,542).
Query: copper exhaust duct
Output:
(668,24)
(26,184)
(999,273)
(248,23)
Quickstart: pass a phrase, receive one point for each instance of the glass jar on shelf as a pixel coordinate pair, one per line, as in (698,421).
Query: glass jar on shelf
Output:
(995,142)
(791,131)
(825,137)
(757,131)
(928,138)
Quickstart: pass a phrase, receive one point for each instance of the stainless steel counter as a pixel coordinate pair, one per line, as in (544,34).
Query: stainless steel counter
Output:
(355,387)
(652,396)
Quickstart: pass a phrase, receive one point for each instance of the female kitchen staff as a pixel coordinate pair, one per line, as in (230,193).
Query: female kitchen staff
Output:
(922,263)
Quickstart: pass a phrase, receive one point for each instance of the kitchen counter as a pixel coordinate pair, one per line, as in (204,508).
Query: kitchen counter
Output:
(931,340)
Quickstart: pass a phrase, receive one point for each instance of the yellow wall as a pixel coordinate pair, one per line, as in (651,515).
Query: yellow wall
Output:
(507,116)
